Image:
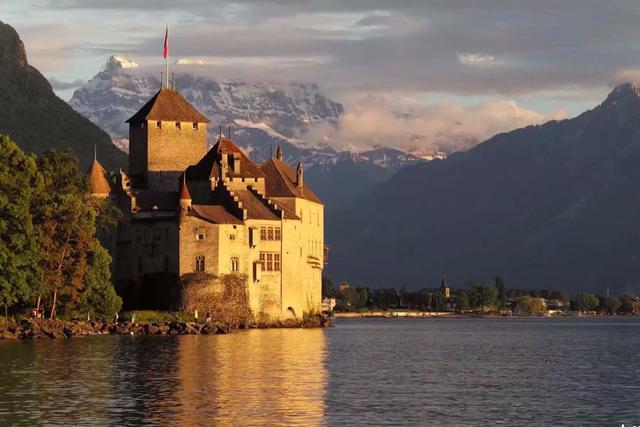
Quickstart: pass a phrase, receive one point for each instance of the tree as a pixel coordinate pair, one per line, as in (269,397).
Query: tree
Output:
(328,288)
(488,296)
(627,304)
(462,301)
(502,291)
(99,298)
(19,250)
(530,305)
(612,304)
(66,226)
(587,302)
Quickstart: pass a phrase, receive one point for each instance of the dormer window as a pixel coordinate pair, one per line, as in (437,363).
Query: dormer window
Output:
(158,124)
(195,125)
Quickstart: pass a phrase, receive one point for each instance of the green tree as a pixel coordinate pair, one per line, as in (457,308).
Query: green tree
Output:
(328,288)
(474,292)
(98,298)
(612,304)
(502,291)
(530,305)
(488,296)
(19,250)
(587,302)
(462,301)
(627,304)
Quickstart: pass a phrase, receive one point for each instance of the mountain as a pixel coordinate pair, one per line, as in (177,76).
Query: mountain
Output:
(548,206)
(261,115)
(36,118)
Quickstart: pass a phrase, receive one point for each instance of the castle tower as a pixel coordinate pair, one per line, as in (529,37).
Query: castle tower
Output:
(98,183)
(185,198)
(166,136)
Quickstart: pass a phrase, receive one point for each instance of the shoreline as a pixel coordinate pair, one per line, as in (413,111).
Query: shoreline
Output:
(29,329)
(391,314)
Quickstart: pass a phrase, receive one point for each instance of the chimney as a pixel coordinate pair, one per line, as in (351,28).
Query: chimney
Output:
(224,166)
(279,152)
(300,177)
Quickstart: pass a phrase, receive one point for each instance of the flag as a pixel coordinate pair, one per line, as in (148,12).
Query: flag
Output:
(166,43)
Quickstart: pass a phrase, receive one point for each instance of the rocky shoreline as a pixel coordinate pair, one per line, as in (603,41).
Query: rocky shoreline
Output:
(47,328)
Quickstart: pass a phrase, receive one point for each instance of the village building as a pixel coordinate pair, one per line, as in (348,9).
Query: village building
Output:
(186,211)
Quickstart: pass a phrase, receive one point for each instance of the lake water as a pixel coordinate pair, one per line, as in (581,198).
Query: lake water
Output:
(442,372)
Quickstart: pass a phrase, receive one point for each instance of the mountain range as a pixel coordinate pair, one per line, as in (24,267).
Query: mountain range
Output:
(36,118)
(261,116)
(546,206)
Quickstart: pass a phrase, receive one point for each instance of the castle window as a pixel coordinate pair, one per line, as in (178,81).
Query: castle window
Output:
(178,125)
(200,234)
(200,263)
(232,236)
(142,125)
(235,264)
(158,124)
(263,233)
(195,125)
(277,233)
(270,261)
(270,233)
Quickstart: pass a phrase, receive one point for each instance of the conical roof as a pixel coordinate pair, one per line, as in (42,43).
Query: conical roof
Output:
(184,192)
(98,183)
(168,105)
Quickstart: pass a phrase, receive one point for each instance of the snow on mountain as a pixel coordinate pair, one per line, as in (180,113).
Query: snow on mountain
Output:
(262,115)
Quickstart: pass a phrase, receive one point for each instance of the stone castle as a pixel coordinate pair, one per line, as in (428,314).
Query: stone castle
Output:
(188,211)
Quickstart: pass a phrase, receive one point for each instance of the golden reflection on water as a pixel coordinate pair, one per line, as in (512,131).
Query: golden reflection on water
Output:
(252,377)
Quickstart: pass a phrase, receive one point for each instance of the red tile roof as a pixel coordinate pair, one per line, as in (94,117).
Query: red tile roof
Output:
(210,165)
(168,105)
(281,181)
(214,213)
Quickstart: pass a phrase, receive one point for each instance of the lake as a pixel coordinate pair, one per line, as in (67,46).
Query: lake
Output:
(442,372)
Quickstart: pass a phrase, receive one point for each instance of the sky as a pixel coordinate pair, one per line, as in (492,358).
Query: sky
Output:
(449,71)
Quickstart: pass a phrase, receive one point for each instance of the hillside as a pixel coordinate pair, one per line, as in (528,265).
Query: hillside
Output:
(544,206)
(36,118)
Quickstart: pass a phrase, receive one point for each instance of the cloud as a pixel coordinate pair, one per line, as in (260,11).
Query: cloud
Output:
(62,85)
(412,125)
(478,59)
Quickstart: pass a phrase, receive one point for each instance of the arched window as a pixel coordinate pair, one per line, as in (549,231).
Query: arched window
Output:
(200,263)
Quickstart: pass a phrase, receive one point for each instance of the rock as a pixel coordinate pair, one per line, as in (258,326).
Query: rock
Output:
(8,335)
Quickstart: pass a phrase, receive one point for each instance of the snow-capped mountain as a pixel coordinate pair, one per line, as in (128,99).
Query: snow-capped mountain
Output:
(261,115)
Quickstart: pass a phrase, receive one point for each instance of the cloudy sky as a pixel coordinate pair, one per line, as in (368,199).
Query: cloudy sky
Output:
(448,70)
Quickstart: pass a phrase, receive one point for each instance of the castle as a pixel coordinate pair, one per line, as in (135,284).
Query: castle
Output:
(186,211)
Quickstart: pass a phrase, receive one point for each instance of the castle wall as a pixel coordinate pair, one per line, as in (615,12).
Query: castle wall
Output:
(138,149)
(303,256)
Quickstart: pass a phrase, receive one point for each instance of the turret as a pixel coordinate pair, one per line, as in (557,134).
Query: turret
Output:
(98,183)
(185,197)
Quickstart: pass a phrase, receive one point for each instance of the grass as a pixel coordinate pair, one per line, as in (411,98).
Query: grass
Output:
(151,316)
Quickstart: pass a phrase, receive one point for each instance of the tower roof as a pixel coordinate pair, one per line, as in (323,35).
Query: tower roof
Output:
(169,105)
(98,183)
(184,191)
(282,179)
(210,165)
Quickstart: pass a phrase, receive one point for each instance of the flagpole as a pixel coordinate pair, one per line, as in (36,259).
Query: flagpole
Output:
(166,60)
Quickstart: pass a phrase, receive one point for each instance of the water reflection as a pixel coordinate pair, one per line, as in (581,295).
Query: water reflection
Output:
(252,377)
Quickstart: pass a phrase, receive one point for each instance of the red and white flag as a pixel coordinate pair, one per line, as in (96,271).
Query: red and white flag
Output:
(166,43)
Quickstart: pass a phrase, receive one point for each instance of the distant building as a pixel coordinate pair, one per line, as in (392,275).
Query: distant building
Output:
(187,211)
(444,287)
(328,304)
